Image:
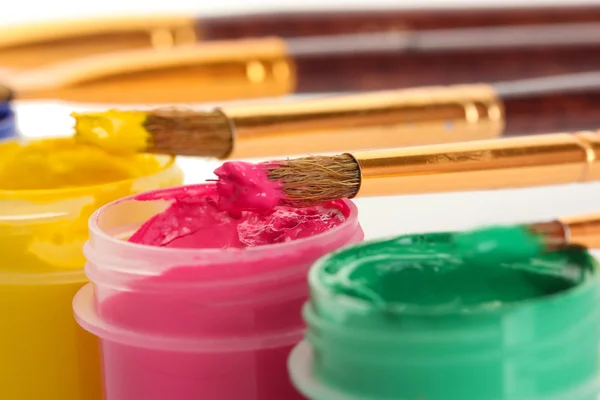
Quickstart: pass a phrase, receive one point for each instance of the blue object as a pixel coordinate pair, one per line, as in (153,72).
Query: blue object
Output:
(8,127)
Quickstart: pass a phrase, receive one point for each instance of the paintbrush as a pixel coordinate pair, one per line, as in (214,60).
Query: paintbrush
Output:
(33,45)
(518,162)
(354,122)
(251,68)
(7,122)
(508,243)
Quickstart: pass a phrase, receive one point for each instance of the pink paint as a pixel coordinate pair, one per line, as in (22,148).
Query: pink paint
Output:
(212,323)
(245,186)
(196,219)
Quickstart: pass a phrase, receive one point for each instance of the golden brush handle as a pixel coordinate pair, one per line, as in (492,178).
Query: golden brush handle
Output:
(33,45)
(223,70)
(366,121)
(271,67)
(583,230)
(481,165)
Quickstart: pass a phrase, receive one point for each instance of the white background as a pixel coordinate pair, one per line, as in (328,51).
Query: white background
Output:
(379,216)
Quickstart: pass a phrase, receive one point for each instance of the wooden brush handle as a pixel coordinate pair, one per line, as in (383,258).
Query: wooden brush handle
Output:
(34,45)
(553,113)
(400,68)
(505,163)
(553,104)
(336,22)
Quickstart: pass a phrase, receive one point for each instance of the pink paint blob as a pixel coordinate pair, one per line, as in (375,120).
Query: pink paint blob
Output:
(245,186)
(196,219)
(204,301)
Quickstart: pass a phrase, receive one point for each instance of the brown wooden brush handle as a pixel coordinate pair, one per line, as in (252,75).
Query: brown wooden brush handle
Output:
(552,113)
(335,22)
(554,104)
(376,70)
(35,45)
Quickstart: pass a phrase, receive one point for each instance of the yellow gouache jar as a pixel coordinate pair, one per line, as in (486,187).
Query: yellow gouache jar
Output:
(48,190)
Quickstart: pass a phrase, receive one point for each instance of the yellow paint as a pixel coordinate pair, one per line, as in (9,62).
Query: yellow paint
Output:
(113,130)
(48,190)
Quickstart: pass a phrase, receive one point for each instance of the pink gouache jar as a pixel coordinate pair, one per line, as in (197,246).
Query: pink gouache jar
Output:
(190,324)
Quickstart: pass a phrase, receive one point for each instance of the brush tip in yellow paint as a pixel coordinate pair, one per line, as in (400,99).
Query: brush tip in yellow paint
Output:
(114,131)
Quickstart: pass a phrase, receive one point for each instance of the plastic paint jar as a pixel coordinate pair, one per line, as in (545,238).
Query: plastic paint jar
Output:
(399,320)
(189,324)
(45,355)
(8,127)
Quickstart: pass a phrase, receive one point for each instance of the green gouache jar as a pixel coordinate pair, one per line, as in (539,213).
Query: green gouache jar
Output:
(406,319)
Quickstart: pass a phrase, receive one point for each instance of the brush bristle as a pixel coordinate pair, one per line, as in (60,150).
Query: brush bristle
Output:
(313,180)
(6,94)
(189,133)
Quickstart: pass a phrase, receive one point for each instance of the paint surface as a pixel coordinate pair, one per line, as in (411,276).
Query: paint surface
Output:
(46,199)
(113,130)
(495,244)
(195,219)
(427,270)
(408,317)
(60,164)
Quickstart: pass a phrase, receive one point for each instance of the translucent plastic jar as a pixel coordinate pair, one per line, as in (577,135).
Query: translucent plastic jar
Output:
(45,355)
(529,330)
(189,324)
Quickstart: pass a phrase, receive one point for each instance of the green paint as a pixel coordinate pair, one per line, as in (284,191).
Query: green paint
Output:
(494,244)
(428,271)
(408,318)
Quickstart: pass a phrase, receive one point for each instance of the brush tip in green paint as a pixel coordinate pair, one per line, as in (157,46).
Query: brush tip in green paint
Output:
(498,244)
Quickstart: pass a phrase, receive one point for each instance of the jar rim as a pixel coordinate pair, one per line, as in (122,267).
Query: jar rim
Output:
(43,278)
(300,368)
(89,319)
